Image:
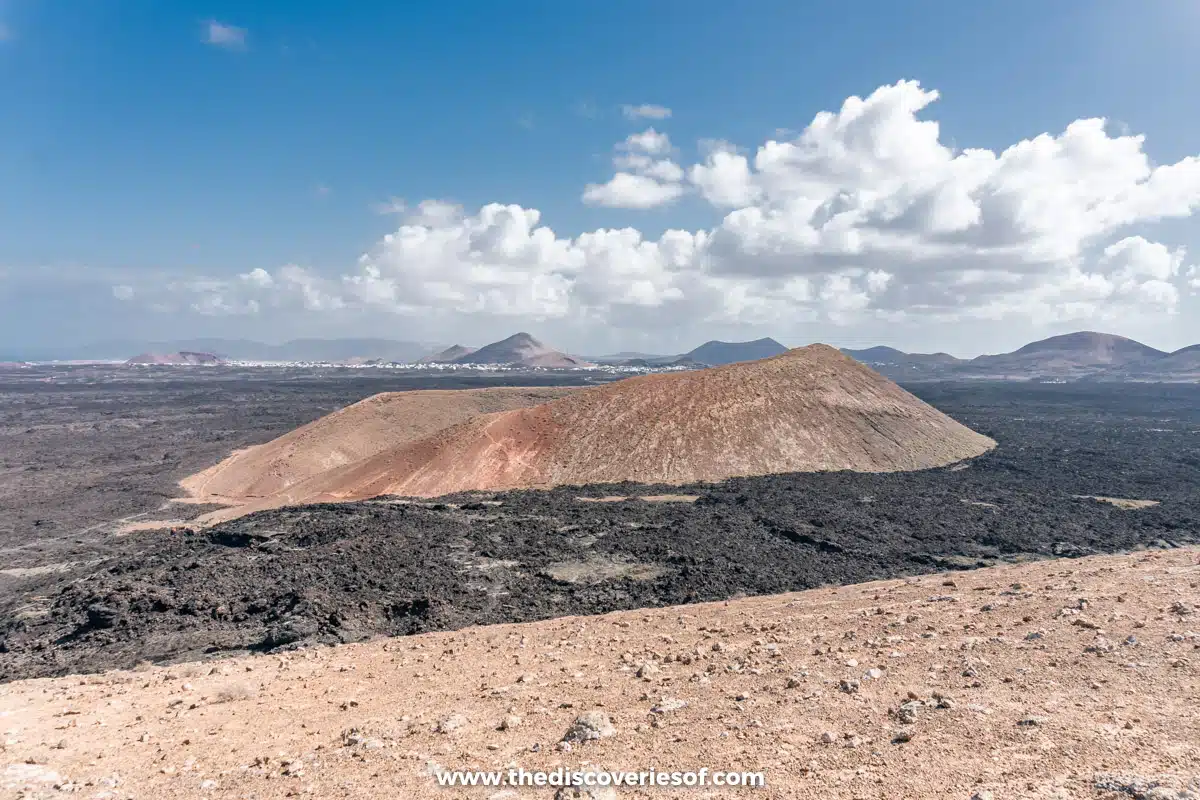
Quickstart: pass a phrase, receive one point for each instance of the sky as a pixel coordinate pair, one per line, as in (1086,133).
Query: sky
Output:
(963,177)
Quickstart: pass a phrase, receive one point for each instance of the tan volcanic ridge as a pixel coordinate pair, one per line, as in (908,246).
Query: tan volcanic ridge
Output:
(810,409)
(379,422)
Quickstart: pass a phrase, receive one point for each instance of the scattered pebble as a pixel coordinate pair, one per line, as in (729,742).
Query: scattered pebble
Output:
(451,723)
(588,726)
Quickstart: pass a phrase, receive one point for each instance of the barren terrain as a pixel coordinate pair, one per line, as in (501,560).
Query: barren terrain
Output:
(1040,677)
(1058,679)
(379,422)
(348,572)
(809,409)
(86,450)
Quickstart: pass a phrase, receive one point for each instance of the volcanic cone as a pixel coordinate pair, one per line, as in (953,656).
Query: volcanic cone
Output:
(808,409)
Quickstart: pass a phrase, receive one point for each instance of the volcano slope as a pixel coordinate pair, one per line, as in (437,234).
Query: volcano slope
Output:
(379,422)
(808,410)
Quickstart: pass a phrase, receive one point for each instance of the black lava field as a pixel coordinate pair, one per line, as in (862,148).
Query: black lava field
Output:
(338,573)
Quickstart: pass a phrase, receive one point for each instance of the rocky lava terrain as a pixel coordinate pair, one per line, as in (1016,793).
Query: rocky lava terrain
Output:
(344,572)
(1054,680)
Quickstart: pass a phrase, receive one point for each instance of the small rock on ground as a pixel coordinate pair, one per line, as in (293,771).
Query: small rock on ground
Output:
(588,726)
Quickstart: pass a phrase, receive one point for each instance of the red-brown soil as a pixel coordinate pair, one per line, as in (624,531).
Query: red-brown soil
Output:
(383,421)
(810,409)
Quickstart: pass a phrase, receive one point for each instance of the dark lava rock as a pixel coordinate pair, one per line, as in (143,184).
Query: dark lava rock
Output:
(343,572)
(100,616)
(289,632)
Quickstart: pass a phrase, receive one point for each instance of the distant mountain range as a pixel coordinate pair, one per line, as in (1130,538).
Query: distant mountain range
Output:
(712,354)
(1082,356)
(520,349)
(328,350)
(447,356)
(717,353)
(1085,355)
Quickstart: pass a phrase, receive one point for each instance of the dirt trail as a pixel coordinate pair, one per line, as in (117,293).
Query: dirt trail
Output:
(1057,679)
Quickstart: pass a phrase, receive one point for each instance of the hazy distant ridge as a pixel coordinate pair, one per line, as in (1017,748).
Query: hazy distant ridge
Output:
(1085,355)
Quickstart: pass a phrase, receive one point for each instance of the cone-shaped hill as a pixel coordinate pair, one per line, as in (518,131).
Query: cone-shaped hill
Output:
(808,409)
(380,422)
(447,356)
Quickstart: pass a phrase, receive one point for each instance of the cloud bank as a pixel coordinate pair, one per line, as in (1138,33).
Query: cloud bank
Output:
(865,213)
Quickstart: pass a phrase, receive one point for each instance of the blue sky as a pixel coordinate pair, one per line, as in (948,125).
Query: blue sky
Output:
(144,145)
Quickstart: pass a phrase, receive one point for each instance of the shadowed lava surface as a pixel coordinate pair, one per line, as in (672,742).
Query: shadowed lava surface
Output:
(346,572)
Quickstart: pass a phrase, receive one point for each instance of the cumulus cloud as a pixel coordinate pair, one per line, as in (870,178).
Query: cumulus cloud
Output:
(864,213)
(289,287)
(644,179)
(649,141)
(724,178)
(645,111)
(626,190)
(219,34)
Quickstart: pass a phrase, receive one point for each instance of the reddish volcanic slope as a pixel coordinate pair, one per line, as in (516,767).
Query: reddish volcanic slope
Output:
(809,409)
(382,421)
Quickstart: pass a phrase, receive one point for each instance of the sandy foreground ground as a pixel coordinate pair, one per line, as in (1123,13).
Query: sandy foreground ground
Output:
(1062,679)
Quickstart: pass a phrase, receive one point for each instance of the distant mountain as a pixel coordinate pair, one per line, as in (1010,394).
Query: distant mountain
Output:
(522,349)
(182,358)
(120,350)
(627,356)
(1084,348)
(1072,355)
(717,353)
(450,354)
(329,350)
(890,356)
(1086,355)
(1181,366)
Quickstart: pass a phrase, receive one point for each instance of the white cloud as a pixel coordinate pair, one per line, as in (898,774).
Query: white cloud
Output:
(724,178)
(645,111)
(258,277)
(497,261)
(643,180)
(864,214)
(649,141)
(625,190)
(289,287)
(219,34)
(6,33)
